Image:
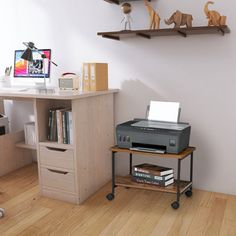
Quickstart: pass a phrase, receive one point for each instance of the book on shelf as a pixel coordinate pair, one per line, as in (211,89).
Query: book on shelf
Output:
(52,125)
(153,182)
(152,177)
(153,169)
(60,125)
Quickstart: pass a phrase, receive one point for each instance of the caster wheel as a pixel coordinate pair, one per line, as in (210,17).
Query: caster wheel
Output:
(175,205)
(1,212)
(110,196)
(189,193)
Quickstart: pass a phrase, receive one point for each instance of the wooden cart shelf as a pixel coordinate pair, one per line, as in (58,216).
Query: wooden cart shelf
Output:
(178,187)
(181,155)
(126,181)
(121,1)
(148,34)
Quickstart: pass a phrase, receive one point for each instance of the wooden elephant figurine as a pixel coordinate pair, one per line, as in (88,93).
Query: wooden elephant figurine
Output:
(214,17)
(178,18)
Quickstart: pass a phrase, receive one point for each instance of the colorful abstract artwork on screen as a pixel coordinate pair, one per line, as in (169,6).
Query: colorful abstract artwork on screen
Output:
(38,68)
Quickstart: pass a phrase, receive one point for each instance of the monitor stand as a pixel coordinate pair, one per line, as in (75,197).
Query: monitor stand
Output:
(42,88)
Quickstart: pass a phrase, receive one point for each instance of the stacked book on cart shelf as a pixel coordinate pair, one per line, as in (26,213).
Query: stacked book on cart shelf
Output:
(60,127)
(152,174)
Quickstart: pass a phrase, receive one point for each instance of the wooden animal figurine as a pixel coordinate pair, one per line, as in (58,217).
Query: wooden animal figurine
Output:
(126,8)
(179,19)
(154,17)
(214,17)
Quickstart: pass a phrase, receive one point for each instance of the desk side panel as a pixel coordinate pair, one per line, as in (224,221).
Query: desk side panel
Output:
(11,157)
(94,134)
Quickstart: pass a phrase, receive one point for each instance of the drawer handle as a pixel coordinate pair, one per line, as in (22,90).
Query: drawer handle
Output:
(59,172)
(56,149)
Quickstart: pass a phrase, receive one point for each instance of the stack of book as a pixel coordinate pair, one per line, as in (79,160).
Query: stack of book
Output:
(60,127)
(152,174)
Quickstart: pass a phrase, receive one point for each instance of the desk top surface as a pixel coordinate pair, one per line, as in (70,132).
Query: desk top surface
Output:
(57,94)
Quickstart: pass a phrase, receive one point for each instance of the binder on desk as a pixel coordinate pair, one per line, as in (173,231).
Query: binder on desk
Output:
(86,86)
(98,76)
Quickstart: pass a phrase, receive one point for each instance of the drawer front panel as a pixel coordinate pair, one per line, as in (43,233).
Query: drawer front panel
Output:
(59,195)
(61,180)
(57,157)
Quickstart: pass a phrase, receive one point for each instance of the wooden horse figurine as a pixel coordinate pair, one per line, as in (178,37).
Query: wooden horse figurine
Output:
(154,17)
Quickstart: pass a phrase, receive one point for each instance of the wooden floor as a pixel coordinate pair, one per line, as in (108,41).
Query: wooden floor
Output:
(133,212)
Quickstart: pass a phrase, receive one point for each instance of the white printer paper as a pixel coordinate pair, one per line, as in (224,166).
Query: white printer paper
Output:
(164,111)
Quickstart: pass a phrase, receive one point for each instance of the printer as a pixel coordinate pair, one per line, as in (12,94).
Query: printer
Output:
(153,136)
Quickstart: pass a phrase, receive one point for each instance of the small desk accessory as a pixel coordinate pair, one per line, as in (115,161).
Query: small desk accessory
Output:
(69,81)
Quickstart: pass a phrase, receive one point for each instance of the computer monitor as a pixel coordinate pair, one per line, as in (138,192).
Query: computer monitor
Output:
(38,68)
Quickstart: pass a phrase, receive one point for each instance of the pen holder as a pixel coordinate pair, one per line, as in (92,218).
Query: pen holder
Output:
(5,81)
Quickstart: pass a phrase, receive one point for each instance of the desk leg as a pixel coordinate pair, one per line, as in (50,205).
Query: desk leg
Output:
(130,163)
(111,195)
(175,205)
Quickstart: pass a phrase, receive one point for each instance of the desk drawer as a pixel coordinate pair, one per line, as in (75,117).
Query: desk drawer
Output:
(62,180)
(57,157)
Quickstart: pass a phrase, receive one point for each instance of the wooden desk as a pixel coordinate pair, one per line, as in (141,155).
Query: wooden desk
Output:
(177,188)
(70,172)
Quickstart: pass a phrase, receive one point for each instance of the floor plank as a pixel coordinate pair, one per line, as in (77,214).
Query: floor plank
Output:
(132,212)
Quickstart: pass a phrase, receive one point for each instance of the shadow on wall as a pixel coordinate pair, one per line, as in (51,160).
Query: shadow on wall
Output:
(132,100)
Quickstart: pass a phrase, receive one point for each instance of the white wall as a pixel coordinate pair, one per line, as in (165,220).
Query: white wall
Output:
(198,71)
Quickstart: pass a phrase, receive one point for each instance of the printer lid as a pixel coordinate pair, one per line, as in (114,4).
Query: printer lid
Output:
(160,125)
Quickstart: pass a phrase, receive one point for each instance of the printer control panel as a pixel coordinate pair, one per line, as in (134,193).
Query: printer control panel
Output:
(172,142)
(123,138)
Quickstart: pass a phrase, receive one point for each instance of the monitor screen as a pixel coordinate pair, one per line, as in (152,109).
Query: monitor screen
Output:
(32,69)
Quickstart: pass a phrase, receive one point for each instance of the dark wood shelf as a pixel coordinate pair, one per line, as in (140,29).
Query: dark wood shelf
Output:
(148,34)
(181,155)
(126,181)
(121,1)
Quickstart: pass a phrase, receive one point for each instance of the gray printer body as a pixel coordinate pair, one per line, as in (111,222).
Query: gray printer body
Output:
(145,134)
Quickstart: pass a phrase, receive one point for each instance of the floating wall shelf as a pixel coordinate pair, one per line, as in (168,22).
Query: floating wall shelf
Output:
(121,1)
(148,34)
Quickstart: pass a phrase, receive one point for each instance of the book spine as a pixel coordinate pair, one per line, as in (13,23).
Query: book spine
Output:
(148,176)
(70,126)
(67,128)
(54,127)
(148,181)
(64,127)
(59,126)
(49,125)
(138,169)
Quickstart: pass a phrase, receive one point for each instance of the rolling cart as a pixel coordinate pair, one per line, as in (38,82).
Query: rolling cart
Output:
(179,187)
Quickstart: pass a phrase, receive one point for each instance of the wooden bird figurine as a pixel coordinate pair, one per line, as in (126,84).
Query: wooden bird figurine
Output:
(154,17)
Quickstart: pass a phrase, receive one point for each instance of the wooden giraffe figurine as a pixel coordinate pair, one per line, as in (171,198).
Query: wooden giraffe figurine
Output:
(154,17)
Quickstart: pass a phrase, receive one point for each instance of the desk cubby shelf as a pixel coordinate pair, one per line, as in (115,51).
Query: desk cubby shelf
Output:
(148,34)
(26,146)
